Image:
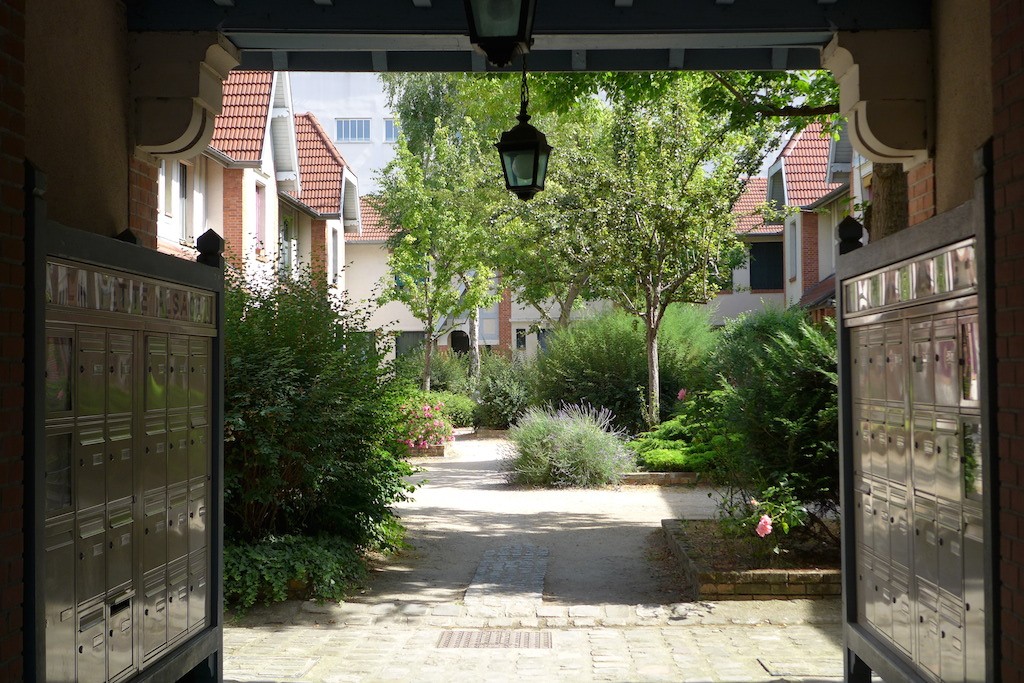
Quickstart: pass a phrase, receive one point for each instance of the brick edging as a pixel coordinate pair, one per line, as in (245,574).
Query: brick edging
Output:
(660,478)
(753,584)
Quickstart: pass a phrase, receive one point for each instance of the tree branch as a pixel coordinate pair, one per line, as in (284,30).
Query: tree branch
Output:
(773,111)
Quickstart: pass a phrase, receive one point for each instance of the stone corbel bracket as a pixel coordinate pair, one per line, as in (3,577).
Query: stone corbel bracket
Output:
(885,92)
(177,82)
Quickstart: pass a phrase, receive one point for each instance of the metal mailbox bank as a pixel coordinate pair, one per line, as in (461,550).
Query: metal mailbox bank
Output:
(914,463)
(127,468)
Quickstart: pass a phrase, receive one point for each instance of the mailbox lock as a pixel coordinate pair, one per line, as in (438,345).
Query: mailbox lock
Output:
(940,541)
(146,531)
(146,612)
(81,649)
(967,606)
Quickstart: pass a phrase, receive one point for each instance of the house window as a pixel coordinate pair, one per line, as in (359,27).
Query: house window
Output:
(289,243)
(353,130)
(390,130)
(776,199)
(766,265)
(409,341)
(176,188)
(542,338)
(261,217)
(792,248)
(335,268)
(520,338)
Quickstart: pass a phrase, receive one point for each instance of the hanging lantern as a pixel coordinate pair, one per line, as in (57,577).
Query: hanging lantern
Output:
(524,152)
(500,28)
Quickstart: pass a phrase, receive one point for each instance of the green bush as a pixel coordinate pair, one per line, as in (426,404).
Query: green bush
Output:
(449,372)
(602,361)
(457,408)
(262,572)
(504,391)
(778,399)
(576,446)
(691,441)
(310,420)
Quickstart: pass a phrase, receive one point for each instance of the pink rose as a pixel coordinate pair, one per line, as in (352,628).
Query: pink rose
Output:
(764,527)
(681,395)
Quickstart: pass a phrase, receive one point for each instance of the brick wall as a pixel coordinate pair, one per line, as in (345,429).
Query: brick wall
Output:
(505,321)
(143,189)
(234,246)
(12,335)
(318,247)
(808,249)
(1008,250)
(921,192)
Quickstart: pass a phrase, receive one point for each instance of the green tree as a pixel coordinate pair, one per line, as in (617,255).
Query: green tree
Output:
(679,170)
(438,201)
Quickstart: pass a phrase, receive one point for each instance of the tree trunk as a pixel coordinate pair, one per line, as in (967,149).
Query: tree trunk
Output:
(653,378)
(888,212)
(474,345)
(427,357)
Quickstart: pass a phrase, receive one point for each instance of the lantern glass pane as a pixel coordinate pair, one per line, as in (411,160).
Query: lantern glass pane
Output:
(542,168)
(519,166)
(497,17)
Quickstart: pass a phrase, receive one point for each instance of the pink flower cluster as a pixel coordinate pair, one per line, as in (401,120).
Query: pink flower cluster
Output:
(681,395)
(764,527)
(425,426)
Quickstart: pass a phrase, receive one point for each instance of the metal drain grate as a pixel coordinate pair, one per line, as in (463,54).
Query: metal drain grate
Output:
(495,639)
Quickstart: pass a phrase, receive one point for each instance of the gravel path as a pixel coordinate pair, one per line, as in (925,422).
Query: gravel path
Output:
(602,546)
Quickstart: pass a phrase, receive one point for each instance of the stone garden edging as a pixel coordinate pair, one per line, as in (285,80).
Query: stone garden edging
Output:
(751,584)
(660,478)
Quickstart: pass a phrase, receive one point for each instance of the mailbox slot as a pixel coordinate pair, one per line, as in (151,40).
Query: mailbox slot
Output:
(92,644)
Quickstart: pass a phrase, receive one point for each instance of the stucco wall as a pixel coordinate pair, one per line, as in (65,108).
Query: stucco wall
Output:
(77,109)
(366,264)
(963,94)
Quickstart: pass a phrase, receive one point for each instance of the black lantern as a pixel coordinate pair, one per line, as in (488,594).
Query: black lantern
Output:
(500,28)
(524,152)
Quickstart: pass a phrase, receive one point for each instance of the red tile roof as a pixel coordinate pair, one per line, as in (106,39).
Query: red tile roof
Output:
(320,166)
(805,160)
(748,221)
(239,129)
(374,228)
(819,295)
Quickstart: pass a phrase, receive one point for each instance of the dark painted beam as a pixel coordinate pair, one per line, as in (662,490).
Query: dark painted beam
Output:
(553,16)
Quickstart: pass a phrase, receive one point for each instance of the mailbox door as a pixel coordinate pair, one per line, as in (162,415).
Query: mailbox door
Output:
(120,378)
(197,516)
(156,372)
(120,459)
(120,637)
(971,458)
(861,442)
(947,362)
(154,611)
(59,570)
(92,372)
(863,522)
(199,371)
(902,618)
(922,362)
(154,531)
(177,598)
(92,644)
(923,453)
(880,521)
(177,372)
(927,630)
(177,523)
(177,448)
(59,456)
(91,452)
(926,541)
(951,642)
(879,444)
(896,441)
(899,528)
(970,361)
(948,478)
(197,590)
(90,574)
(895,363)
(154,455)
(950,551)
(198,444)
(876,363)
(120,544)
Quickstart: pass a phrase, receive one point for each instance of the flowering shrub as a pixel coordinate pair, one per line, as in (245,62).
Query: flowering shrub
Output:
(425,425)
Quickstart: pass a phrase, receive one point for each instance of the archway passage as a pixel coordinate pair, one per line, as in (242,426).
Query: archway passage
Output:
(458,342)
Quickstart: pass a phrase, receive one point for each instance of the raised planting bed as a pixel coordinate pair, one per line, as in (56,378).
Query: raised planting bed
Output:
(660,478)
(429,452)
(720,567)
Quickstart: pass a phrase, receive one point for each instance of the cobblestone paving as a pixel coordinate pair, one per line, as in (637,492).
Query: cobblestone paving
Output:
(399,639)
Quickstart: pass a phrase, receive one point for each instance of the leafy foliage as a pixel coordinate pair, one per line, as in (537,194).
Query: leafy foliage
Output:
(693,440)
(778,395)
(308,422)
(504,392)
(449,372)
(601,361)
(265,572)
(456,408)
(575,446)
